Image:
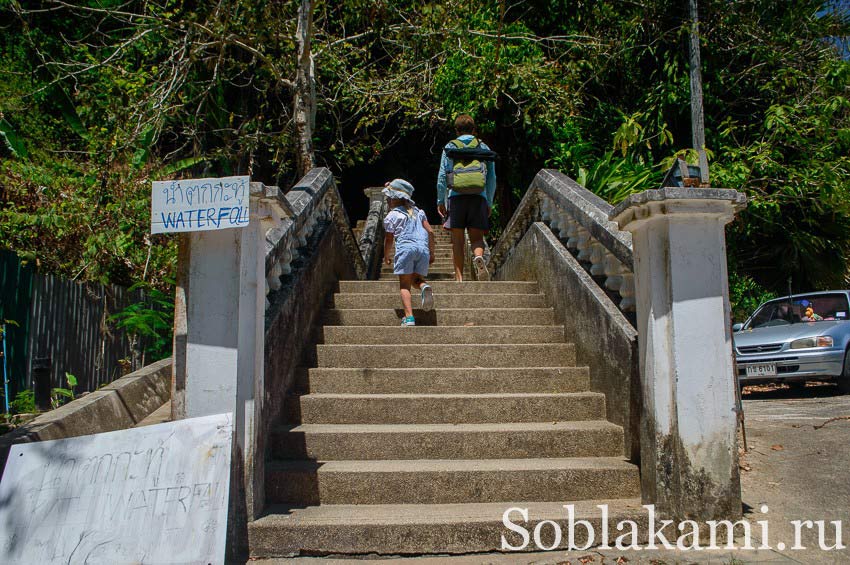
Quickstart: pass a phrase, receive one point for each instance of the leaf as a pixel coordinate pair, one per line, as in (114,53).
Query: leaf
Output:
(64,392)
(145,141)
(69,112)
(180,165)
(12,139)
(72,380)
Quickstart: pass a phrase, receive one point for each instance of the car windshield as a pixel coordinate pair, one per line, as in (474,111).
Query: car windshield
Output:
(806,308)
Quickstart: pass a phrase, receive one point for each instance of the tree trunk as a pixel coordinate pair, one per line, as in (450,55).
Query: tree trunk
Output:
(304,111)
(697,120)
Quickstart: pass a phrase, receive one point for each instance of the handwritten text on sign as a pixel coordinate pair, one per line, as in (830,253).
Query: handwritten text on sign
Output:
(199,204)
(156,494)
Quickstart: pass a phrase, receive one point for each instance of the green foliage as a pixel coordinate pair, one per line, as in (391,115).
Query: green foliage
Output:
(24,402)
(150,320)
(59,396)
(12,140)
(97,103)
(745,295)
(614,178)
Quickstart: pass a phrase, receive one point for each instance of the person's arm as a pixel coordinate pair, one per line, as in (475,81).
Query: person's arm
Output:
(389,242)
(490,184)
(432,243)
(441,184)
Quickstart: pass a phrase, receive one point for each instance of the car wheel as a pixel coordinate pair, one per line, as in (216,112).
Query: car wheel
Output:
(844,379)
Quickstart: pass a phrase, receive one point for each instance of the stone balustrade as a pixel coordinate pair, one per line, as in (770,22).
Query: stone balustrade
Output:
(372,238)
(289,220)
(579,219)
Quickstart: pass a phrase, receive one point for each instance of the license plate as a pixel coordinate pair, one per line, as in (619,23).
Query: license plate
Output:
(762,370)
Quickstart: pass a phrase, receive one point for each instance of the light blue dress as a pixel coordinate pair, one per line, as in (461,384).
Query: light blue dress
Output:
(411,241)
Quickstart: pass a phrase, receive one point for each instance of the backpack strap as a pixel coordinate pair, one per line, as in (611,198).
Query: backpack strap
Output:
(473,143)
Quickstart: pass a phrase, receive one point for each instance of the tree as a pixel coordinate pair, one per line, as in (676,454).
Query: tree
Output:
(305,90)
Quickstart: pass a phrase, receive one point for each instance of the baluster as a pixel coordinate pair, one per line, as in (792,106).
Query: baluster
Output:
(565,225)
(574,233)
(627,291)
(285,262)
(301,236)
(545,208)
(556,219)
(583,242)
(597,259)
(292,246)
(612,271)
(273,278)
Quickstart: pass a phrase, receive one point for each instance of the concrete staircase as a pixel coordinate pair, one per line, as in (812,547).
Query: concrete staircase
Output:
(416,440)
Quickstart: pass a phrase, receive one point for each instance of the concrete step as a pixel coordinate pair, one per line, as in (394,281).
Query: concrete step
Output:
(324,442)
(439,263)
(444,276)
(448,481)
(441,317)
(442,265)
(373,335)
(442,287)
(430,277)
(409,529)
(445,381)
(444,408)
(447,355)
(392,300)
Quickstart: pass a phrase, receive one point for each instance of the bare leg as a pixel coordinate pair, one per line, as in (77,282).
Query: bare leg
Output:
(418,281)
(404,283)
(458,245)
(476,239)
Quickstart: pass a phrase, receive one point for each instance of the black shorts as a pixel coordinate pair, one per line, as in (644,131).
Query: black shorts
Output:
(469,211)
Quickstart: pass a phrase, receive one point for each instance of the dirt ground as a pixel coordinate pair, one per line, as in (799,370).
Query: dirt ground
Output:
(798,464)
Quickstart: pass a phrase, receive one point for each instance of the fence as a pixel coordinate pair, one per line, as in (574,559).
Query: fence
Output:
(60,326)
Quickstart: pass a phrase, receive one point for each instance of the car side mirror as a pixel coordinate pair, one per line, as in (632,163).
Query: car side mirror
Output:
(737,327)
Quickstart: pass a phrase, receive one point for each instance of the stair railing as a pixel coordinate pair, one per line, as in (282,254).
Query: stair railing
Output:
(580,219)
(289,220)
(372,238)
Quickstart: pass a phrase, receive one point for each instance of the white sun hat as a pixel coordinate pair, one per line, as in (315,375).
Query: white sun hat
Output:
(400,189)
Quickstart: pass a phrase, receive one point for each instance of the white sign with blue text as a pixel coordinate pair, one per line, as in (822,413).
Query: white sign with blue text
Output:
(200,204)
(151,495)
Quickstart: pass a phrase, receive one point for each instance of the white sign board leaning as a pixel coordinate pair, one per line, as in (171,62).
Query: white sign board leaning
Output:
(157,494)
(200,204)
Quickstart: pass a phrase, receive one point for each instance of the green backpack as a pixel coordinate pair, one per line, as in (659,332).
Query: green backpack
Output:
(469,174)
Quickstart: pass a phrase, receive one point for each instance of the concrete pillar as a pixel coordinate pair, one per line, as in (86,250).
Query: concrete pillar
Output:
(219,341)
(219,319)
(689,456)
(373,232)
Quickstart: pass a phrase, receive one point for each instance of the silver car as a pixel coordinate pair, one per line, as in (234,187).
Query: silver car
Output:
(796,338)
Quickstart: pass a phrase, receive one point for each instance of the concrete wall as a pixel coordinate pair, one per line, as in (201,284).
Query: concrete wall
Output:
(117,406)
(604,339)
(294,319)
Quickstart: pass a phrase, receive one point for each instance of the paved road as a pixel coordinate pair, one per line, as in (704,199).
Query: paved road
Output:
(798,471)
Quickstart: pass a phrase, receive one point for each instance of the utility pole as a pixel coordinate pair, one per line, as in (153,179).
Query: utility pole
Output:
(697,120)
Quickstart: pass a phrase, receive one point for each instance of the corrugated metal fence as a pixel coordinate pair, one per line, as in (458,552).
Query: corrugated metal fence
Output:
(62,326)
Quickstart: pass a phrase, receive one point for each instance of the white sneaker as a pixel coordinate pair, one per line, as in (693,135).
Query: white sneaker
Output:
(481,272)
(427,298)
